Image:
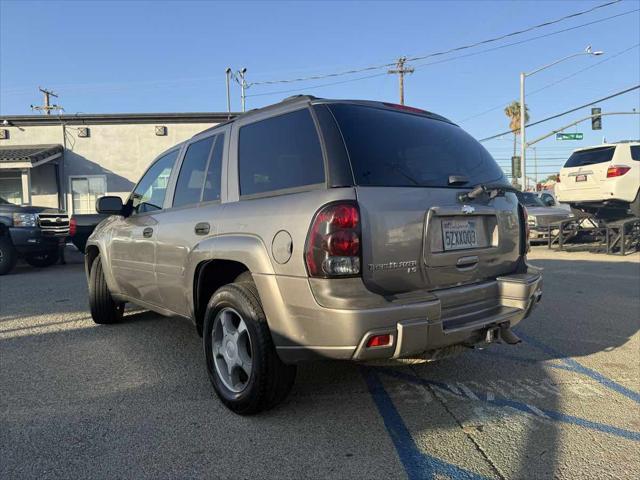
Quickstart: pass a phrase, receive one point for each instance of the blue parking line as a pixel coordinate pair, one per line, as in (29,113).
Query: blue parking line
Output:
(417,465)
(519,359)
(520,406)
(579,368)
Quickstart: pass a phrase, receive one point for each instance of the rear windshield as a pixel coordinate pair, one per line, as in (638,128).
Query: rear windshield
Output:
(590,157)
(398,149)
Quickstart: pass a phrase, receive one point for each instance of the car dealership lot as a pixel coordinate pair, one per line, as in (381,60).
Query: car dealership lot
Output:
(133,400)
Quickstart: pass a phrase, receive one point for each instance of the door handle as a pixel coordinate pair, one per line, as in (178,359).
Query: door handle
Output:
(147,232)
(202,228)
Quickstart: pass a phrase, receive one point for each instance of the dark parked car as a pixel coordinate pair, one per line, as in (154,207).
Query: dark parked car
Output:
(82,226)
(37,234)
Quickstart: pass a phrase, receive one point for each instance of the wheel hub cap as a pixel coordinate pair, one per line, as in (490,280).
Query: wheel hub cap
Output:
(231,349)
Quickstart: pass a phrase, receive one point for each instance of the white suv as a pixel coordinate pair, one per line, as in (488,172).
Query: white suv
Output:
(604,180)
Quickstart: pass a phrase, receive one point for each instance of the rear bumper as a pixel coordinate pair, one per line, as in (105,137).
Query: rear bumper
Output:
(303,330)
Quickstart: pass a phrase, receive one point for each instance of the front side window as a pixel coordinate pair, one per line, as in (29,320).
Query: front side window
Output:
(280,152)
(192,173)
(149,194)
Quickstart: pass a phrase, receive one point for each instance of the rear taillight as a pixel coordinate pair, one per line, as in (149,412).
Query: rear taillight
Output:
(73,227)
(617,170)
(333,243)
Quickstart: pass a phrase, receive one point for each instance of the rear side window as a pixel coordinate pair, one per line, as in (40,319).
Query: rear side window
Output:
(191,177)
(280,152)
(635,152)
(214,171)
(590,157)
(398,149)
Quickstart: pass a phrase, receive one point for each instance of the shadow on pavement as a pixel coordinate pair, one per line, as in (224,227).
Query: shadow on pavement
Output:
(134,400)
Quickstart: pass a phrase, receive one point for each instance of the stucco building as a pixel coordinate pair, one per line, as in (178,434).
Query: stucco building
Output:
(68,161)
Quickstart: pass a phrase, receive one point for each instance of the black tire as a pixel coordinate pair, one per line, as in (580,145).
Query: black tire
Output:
(104,309)
(80,243)
(634,207)
(271,380)
(8,255)
(44,259)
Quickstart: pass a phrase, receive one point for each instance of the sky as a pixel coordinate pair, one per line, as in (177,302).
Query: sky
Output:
(170,56)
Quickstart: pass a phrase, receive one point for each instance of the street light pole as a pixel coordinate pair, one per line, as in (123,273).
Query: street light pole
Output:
(523,76)
(228,76)
(243,86)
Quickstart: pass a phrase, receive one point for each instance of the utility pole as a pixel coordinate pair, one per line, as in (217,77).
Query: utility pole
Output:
(47,107)
(523,141)
(401,70)
(535,166)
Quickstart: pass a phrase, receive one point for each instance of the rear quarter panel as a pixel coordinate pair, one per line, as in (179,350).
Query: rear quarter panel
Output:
(291,214)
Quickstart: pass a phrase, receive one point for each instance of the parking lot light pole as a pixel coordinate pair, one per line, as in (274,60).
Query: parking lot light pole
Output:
(243,87)
(228,74)
(523,76)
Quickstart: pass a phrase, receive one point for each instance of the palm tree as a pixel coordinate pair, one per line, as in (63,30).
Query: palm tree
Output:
(512,111)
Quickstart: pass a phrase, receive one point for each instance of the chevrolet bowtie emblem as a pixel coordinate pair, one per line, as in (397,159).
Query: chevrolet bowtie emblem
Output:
(468,209)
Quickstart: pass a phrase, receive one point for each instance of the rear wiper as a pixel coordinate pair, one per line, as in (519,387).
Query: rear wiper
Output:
(492,190)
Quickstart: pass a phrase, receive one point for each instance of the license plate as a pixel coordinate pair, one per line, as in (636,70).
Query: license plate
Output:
(459,234)
(581,178)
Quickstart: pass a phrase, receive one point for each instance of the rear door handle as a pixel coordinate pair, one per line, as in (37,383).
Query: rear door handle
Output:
(202,228)
(147,232)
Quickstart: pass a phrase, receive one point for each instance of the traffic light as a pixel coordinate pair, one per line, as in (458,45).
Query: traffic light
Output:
(596,122)
(516,172)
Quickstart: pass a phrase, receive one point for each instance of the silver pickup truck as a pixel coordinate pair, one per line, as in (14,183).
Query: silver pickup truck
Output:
(312,229)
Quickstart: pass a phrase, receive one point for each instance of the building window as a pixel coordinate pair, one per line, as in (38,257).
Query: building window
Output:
(11,187)
(85,191)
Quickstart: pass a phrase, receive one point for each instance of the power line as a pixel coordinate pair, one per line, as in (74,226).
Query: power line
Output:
(512,34)
(520,42)
(443,52)
(622,92)
(502,105)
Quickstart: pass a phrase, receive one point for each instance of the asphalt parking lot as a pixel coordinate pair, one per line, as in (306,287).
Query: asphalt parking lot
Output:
(133,400)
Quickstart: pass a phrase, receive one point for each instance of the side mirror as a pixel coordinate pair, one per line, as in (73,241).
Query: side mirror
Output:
(110,205)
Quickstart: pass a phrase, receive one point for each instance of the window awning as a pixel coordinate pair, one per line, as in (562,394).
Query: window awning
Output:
(28,156)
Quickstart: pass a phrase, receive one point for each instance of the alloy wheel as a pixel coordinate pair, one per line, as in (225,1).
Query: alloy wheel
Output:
(231,348)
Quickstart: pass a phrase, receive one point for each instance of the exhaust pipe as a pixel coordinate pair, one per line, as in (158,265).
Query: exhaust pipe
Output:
(507,335)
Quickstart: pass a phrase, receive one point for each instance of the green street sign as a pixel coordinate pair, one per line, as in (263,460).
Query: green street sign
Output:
(569,136)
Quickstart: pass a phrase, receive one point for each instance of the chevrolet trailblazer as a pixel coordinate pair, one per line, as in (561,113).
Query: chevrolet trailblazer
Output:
(313,228)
